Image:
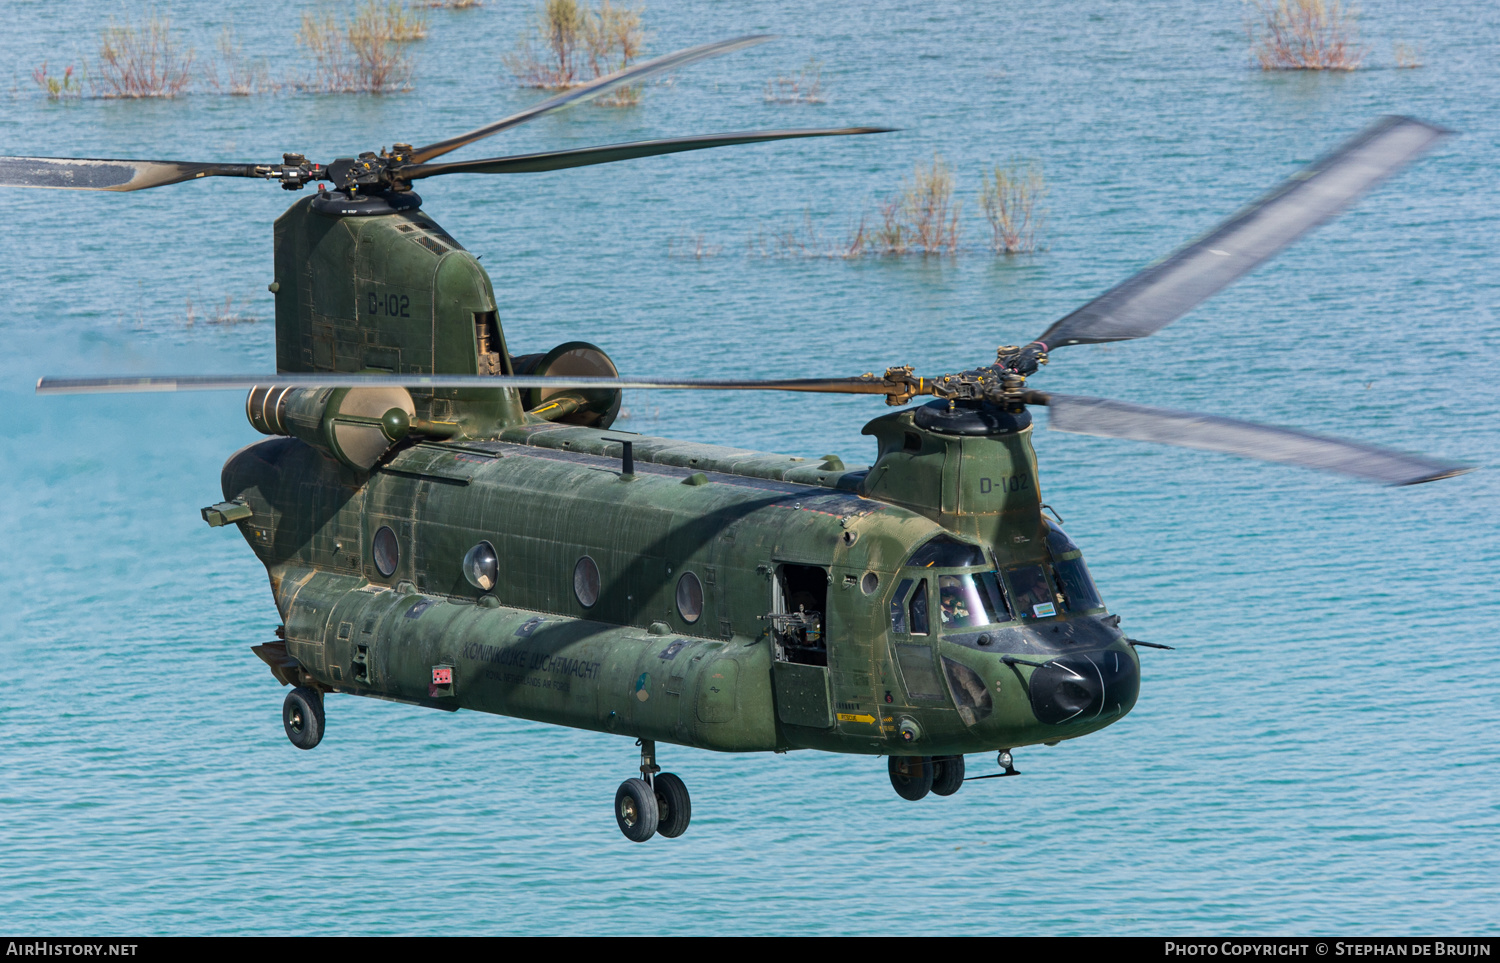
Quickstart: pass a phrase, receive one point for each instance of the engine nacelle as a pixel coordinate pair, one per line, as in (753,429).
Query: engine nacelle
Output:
(354,425)
(590,407)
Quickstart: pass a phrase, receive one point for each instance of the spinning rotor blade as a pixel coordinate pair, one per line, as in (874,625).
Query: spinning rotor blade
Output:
(588,91)
(1164,292)
(1185,429)
(98,174)
(866,385)
(584,156)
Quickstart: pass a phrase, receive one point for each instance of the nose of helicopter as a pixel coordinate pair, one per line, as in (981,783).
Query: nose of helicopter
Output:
(1082,687)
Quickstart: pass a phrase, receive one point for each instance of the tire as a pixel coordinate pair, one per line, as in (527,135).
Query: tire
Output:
(911,776)
(635,810)
(947,774)
(302,717)
(674,808)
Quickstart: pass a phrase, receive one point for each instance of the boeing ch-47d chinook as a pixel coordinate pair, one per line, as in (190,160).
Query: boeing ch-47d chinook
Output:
(453,526)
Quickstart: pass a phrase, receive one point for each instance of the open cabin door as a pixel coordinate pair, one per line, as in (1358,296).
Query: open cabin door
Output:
(799,636)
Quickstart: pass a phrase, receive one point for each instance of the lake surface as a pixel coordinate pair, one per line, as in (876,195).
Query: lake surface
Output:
(1318,756)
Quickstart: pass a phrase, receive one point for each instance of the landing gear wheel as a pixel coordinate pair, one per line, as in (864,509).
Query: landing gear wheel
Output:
(947,774)
(302,715)
(635,810)
(911,776)
(673,806)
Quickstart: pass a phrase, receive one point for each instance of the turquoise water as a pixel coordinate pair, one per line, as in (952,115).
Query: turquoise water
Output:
(1318,756)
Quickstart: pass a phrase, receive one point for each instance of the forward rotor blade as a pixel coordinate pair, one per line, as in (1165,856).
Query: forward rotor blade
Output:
(1164,292)
(588,91)
(584,156)
(865,385)
(1185,429)
(98,174)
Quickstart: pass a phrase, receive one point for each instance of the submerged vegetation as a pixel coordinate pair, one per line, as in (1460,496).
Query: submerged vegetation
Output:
(1011,198)
(924,216)
(1306,35)
(142,60)
(361,52)
(569,44)
(804,88)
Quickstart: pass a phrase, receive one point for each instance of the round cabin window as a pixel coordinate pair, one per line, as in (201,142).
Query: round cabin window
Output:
(386,551)
(689,597)
(869,583)
(586,581)
(482,566)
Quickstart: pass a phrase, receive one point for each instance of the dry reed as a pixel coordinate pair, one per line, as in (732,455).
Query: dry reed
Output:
(1010,198)
(923,217)
(1407,56)
(451,4)
(569,44)
(142,60)
(1306,35)
(232,73)
(361,55)
(225,314)
(805,88)
(697,247)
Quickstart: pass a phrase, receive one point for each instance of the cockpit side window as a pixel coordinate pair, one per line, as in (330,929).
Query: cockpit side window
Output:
(968,601)
(918,609)
(898,607)
(1073,579)
(1030,591)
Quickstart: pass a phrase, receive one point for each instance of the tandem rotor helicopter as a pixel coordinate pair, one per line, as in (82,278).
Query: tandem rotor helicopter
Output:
(451,525)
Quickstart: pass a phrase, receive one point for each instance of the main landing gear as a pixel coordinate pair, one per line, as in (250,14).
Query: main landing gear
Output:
(302,715)
(655,804)
(915,776)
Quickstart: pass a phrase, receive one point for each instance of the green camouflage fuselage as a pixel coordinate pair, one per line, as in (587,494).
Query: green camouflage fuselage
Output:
(758,534)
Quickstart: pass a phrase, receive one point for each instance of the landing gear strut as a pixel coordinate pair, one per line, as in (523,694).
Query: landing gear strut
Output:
(656,803)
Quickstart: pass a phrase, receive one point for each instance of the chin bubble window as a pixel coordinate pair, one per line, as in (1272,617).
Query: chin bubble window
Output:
(586,581)
(689,597)
(482,566)
(386,552)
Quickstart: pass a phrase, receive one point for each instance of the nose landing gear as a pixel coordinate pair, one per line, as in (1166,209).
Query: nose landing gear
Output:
(655,804)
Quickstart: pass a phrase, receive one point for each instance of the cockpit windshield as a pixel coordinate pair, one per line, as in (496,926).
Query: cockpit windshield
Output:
(968,601)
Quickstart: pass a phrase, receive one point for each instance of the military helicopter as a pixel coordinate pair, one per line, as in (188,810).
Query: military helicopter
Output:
(450,525)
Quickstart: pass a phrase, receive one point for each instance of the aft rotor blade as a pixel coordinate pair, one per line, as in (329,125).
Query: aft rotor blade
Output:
(590,90)
(102,174)
(1185,429)
(584,156)
(865,385)
(1165,291)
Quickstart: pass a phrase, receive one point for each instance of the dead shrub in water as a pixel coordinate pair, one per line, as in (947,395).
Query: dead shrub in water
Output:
(805,88)
(232,73)
(568,45)
(65,87)
(1407,56)
(1010,198)
(695,247)
(358,56)
(923,217)
(142,60)
(1306,35)
(225,314)
(806,240)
